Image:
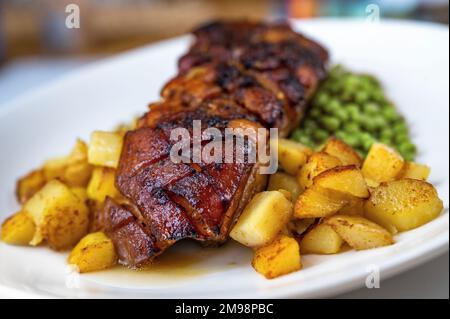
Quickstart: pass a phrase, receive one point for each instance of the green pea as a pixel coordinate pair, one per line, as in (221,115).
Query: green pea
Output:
(315,113)
(409,156)
(321,99)
(309,124)
(367,123)
(353,112)
(330,123)
(320,135)
(342,114)
(297,134)
(407,147)
(387,134)
(341,135)
(390,113)
(385,140)
(332,106)
(305,140)
(400,128)
(366,141)
(379,122)
(371,108)
(401,138)
(351,128)
(377,95)
(361,97)
(351,140)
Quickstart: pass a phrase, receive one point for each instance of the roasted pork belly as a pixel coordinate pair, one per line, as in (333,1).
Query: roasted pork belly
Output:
(240,74)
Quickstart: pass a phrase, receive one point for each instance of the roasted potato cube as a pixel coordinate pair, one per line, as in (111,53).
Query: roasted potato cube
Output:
(321,239)
(105,148)
(316,164)
(318,202)
(414,171)
(345,179)
(346,154)
(54,168)
(359,232)
(94,252)
(404,204)
(382,164)
(278,258)
(284,181)
(18,229)
(73,170)
(60,216)
(291,155)
(262,219)
(28,185)
(102,184)
(78,170)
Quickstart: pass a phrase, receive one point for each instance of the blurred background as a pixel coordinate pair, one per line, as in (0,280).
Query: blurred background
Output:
(36,46)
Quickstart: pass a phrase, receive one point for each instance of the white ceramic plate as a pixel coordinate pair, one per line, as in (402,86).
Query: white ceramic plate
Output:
(411,60)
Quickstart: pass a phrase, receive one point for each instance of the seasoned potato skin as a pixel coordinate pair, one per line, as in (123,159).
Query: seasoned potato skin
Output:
(102,184)
(317,202)
(341,150)
(359,232)
(105,148)
(94,252)
(403,204)
(18,229)
(61,216)
(317,163)
(321,239)
(28,185)
(414,171)
(262,219)
(278,258)
(292,156)
(345,179)
(382,164)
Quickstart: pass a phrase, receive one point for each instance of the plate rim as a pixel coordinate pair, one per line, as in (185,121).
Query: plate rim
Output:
(405,260)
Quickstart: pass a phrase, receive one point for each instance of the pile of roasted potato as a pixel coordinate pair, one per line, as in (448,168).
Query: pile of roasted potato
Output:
(323,201)
(320,202)
(59,198)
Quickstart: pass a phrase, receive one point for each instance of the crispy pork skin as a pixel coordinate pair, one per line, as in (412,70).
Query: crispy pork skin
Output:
(239,74)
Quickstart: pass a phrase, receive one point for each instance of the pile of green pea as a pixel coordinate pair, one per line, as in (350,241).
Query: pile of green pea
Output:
(354,108)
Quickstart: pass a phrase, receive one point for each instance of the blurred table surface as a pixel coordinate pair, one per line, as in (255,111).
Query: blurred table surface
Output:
(430,280)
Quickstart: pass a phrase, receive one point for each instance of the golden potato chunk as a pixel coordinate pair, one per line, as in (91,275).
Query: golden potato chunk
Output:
(284,181)
(359,232)
(415,171)
(102,184)
(28,185)
(346,154)
(280,257)
(18,229)
(404,204)
(321,239)
(345,179)
(60,216)
(382,164)
(94,252)
(291,155)
(262,219)
(105,148)
(73,170)
(316,164)
(318,202)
